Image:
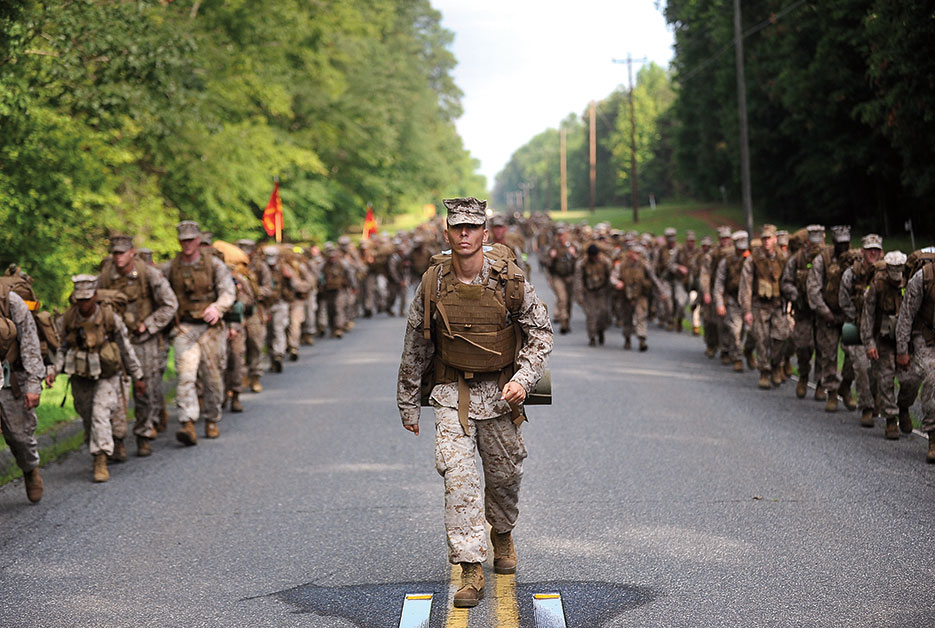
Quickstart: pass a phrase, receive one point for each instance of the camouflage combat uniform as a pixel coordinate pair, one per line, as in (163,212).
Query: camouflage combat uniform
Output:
(592,286)
(760,296)
(915,328)
(854,283)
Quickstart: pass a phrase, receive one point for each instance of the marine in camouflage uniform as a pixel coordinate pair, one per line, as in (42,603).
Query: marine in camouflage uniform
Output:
(680,265)
(665,267)
(310,326)
(151,307)
(260,279)
(398,277)
(633,277)
(561,266)
(854,283)
(333,286)
(761,300)
(95,351)
(296,288)
(915,329)
(277,303)
(480,414)
(726,295)
(794,285)
(823,284)
(878,317)
(592,287)
(205,290)
(19,395)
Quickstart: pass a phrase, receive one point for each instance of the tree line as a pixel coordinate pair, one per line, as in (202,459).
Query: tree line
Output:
(841,105)
(131,116)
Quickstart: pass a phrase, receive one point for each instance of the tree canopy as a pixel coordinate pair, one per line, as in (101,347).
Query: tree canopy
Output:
(130,116)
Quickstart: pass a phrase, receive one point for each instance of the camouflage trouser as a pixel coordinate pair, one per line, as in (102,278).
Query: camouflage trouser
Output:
(396,291)
(368,289)
(710,323)
(236,350)
(678,299)
(255,339)
(296,320)
(884,373)
(564,290)
(333,310)
(310,326)
(19,426)
(723,334)
(803,337)
(200,352)
(100,404)
(635,313)
(771,329)
(733,322)
(276,331)
(500,444)
(827,338)
(149,404)
(922,370)
(866,388)
(351,306)
(596,306)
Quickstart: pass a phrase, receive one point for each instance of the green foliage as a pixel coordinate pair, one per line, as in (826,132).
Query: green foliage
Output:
(129,116)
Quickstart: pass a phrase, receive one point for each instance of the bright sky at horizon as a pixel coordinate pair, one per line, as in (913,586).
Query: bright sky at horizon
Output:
(524,65)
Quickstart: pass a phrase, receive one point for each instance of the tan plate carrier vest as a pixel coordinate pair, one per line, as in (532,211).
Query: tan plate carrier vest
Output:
(194,286)
(468,324)
(134,286)
(768,271)
(889,300)
(924,322)
(92,349)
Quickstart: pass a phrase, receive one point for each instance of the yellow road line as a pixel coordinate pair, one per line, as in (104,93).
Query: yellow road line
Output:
(507,607)
(457,617)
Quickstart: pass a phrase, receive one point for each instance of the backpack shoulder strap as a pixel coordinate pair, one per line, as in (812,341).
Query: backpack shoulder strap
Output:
(429,285)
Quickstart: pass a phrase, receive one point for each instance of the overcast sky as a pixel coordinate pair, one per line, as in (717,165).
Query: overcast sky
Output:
(524,65)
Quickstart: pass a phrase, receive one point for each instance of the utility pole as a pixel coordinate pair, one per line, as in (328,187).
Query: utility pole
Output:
(592,113)
(742,107)
(564,170)
(633,173)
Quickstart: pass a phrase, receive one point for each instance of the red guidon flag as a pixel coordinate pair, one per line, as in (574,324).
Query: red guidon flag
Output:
(272,215)
(370,224)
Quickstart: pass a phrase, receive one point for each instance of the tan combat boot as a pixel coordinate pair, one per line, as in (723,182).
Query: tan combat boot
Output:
(709,353)
(211,429)
(236,406)
(472,586)
(738,366)
(504,553)
(776,376)
(643,345)
(821,394)
(308,339)
(751,362)
(143,448)
(765,382)
(930,456)
(866,419)
(120,451)
(845,391)
(832,404)
(293,355)
(33,485)
(337,333)
(186,434)
(626,343)
(255,384)
(787,368)
(725,358)
(100,467)
(905,421)
(892,429)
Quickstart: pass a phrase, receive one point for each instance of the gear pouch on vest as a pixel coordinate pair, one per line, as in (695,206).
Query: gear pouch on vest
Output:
(109,360)
(764,289)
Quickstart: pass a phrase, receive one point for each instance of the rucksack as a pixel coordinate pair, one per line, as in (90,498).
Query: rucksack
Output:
(49,340)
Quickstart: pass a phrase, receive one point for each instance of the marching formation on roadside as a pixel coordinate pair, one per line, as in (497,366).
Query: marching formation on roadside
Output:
(762,303)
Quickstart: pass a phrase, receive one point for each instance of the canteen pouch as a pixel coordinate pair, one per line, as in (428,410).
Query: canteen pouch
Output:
(849,335)
(888,327)
(764,289)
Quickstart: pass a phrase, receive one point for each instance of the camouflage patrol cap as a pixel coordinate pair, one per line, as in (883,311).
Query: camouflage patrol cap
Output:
(895,259)
(871,241)
(707,241)
(816,233)
(670,233)
(690,235)
(207,238)
(271,252)
(145,254)
(498,220)
(188,230)
(782,237)
(120,243)
(768,231)
(741,239)
(85,286)
(723,231)
(466,211)
(841,233)
(246,245)
(344,241)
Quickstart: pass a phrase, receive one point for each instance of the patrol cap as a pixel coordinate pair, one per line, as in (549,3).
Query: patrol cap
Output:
(246,245)
(782,237)
(707,241)
(741,239)
(895,259)
(498,220)
(344,240)
(690,235)
(841,233)
(768,231)
(145,254)
(85,286)
(816,233)
(670,233)
(871,241)
(466,211)
(188,230)
(723,232)
(271,252)
(207,237)
(120,243)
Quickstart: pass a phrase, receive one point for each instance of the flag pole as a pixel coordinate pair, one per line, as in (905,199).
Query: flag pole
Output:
(278,216)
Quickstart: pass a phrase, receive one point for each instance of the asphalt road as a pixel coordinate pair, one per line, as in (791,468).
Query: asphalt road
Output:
(661,490)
